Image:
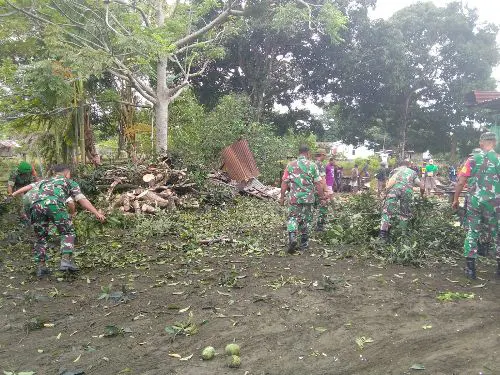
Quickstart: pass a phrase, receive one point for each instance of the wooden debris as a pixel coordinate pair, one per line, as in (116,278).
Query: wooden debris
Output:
(147,189)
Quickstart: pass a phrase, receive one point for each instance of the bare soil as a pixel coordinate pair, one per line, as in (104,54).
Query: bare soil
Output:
(290,314)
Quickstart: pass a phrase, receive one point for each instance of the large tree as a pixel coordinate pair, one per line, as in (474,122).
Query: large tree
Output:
(409,75)
(156,45)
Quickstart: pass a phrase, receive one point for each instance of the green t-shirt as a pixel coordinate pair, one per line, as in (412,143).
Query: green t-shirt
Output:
(431,169)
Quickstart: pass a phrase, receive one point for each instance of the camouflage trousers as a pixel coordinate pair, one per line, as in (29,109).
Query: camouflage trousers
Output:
(42,215)
(397,203)
(322,208)
(479,216)
(299,218)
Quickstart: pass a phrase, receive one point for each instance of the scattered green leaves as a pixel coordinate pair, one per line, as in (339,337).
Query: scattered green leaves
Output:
(454,296)
(184,328)
(361,341)
(417,366)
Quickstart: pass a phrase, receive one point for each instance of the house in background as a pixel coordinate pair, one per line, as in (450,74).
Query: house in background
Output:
(8,148)
(350,152)
(489,100)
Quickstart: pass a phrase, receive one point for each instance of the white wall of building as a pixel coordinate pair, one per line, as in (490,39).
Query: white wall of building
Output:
(350,152)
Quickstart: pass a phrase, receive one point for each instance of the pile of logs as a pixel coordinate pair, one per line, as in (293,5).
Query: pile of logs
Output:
(149,189)
(251,187)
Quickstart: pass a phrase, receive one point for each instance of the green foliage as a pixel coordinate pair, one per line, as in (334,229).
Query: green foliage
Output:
(333,21)
(356,220)
(431,232)
(198,136)
(288,17)
(454,296)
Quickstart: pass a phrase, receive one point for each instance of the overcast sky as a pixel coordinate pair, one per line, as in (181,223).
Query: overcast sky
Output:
(488,10)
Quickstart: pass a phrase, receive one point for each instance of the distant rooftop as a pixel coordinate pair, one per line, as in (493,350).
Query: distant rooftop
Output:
(483,99)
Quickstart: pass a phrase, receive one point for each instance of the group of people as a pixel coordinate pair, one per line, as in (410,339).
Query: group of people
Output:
(49,202)
(309,184)
(305,182)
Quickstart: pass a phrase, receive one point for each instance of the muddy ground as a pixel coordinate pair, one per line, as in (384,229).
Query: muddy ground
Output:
(295,314)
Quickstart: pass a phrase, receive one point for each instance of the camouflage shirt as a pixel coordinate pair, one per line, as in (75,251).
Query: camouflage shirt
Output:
(405,179)
(483,171)
(18,180)
(321,168)
(301,175)
(56,190)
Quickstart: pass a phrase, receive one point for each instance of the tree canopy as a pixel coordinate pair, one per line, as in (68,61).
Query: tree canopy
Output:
(398,82)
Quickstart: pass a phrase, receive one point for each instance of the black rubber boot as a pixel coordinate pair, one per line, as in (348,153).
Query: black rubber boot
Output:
(470,268)
(292,242)
(304,242)
(384,235)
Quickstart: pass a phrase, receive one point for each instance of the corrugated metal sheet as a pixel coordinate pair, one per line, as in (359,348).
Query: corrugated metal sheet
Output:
(238,161)
(478,97)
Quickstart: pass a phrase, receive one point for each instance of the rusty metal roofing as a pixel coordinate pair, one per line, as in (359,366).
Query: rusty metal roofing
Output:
(238,161)
(479,97)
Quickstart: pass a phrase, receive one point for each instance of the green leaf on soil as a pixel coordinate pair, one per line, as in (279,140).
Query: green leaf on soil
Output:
(320,329)
(417,366)
(361,341)
(454,296)
(112,331)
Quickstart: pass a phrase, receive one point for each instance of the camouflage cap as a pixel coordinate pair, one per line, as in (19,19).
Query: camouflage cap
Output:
(320,151)
(488,136)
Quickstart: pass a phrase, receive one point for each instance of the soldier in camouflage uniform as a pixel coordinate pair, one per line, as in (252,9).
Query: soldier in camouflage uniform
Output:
(319,204)
(398,197)
(48,205)
(22,176)
(300,178)
(481,172)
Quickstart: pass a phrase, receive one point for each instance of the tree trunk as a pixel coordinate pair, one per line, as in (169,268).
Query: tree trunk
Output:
(161,107)
(90,149)
(453,151)
(161,120)
(404,125)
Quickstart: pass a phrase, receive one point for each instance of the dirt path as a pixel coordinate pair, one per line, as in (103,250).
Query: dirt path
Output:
(290,314)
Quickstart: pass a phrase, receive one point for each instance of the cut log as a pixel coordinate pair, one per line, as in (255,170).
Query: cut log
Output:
(112,187)
(146,208)
(136,205)
(126,204)
(143,194)
(148,177)
(165,195)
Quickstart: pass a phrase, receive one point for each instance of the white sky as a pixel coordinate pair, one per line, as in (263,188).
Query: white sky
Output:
(488,10)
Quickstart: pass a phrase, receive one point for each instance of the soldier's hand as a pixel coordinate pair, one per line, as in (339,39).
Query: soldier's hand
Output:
(455,205)
(101,217)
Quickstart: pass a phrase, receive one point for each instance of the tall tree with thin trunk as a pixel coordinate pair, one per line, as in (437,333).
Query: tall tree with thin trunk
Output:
(158,46)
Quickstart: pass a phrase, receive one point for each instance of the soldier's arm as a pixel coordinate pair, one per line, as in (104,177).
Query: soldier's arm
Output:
(318,182)
(10,183)
(462,180)
(285,186)
(22,190)
(71,206)
(85,203)
(320,189)
(77,195)
(420,184)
